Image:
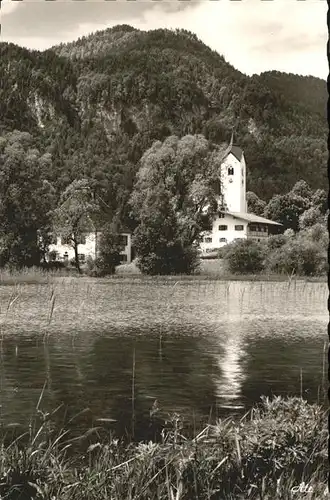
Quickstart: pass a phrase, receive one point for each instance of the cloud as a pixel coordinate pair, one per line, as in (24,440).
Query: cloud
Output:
(253,35)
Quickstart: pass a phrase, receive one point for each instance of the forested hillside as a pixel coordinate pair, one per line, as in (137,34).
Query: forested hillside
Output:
(101,101)
(95,106)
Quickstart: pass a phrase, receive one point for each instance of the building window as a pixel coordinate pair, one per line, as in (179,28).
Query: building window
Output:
(66,256)
(223,228)
(239,227)
(223,240)
(81,257)
(253,227)
(53,256)
(231,171)
(221,216)
(123,258)
(65,240)
(207,240)
(81,239)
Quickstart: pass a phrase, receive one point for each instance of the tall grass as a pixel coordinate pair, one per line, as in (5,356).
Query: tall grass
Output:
(33,275)
(207,272)
(278,445)
(133,394)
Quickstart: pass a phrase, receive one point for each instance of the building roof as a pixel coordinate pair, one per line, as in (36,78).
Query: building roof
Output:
(253,218)
(237,152)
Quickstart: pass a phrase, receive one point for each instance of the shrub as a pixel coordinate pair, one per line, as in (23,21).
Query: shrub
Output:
(109,251)
(279,444)
(53,264)
(170,259)
(161,245)
(92,268)
(298,256)
(245,256)
(276,241)
(109,255)
(310,217)
(317,233)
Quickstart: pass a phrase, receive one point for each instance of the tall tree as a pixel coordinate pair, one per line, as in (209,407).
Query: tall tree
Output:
(320,200)
(174,199)
(254,204)
(26,199)
(287,209)
(74,215)
(301,188)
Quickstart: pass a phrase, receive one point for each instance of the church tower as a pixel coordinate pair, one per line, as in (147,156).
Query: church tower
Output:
(233,180)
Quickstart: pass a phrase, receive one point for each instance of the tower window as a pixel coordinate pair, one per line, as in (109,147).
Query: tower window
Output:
(123,240)
(231,171)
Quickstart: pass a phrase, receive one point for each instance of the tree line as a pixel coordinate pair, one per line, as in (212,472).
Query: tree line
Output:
(172,202)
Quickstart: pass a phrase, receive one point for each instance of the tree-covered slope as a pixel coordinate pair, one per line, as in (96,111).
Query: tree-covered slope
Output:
(99,103)
(306,92)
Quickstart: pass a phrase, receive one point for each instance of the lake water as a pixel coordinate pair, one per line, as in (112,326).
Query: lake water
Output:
(199,348)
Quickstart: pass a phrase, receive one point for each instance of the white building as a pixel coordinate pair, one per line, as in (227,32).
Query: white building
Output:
(60,250)
(232,220)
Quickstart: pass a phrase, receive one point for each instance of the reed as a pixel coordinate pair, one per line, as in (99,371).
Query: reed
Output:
(210,271)
(31,275)
(279,445)
(133,394)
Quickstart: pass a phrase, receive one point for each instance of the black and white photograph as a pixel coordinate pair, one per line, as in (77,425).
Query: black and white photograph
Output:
(164,250)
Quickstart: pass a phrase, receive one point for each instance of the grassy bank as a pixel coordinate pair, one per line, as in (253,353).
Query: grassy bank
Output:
(209,270)
(33,275)
(275,447)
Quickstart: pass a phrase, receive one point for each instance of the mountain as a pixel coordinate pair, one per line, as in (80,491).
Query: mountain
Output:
(98,103)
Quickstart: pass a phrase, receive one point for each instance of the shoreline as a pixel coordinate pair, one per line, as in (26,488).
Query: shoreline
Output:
(39,276)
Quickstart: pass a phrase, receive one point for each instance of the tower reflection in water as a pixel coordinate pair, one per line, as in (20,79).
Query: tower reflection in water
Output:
(230,361)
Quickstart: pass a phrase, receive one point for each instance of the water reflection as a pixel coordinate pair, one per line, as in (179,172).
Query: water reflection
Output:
(229,383)
(197,350)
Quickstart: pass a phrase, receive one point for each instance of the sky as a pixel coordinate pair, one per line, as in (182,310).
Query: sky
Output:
(252,35)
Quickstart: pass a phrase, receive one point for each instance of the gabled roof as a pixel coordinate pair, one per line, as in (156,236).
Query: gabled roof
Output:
(253,218)
(237,152)
(233,149)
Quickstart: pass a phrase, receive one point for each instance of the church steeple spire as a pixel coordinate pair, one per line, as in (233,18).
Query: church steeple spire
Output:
(231,138)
